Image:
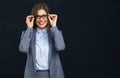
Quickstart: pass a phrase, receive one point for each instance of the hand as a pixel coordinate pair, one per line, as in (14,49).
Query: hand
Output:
(30,21)
(52,19)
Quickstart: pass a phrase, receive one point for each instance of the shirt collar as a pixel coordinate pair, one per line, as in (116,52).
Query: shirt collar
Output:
(42,30)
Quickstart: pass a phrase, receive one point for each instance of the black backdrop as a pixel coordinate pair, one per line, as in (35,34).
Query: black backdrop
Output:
(90,29)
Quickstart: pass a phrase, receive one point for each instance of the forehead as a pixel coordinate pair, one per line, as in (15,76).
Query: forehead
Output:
(41,12)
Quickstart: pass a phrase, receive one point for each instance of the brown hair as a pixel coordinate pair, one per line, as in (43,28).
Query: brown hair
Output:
(38,7)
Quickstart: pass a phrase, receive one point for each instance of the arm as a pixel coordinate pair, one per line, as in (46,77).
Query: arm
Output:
(58,38)
(56,34)
(25,40)
(26,35)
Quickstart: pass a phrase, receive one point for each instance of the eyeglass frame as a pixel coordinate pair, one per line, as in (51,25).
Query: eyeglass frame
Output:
(44,16)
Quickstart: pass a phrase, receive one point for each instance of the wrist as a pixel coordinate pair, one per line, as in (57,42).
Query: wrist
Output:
(30,26)
(53,25)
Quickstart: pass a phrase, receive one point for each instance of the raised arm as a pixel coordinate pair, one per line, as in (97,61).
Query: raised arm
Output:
(58,38)
(25,40)
(26,35)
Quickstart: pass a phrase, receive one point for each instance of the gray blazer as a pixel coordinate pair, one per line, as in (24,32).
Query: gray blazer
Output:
(56,43)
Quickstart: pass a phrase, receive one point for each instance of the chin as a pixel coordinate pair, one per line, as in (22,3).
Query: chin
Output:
(42,27)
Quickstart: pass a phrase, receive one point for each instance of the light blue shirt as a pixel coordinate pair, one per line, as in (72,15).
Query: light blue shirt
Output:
(42,49)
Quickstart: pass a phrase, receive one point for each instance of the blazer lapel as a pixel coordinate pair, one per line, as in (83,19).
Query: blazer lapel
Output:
(50,45)
(33,47)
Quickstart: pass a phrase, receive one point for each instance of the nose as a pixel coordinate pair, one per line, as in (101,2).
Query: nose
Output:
(41,18)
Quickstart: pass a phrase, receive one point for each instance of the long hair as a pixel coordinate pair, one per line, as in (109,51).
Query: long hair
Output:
(39,6)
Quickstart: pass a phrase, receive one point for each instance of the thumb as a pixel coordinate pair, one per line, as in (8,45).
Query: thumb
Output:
(32,20)
(49,18)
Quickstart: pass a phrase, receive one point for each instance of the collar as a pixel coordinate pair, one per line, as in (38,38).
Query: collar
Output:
(42,30)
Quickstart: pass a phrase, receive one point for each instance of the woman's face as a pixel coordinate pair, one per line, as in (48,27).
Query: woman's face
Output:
(41,19)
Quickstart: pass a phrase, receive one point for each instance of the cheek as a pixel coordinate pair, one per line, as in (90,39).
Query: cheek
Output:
(45,22)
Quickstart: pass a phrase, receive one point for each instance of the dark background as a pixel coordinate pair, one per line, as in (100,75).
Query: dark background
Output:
(90,29)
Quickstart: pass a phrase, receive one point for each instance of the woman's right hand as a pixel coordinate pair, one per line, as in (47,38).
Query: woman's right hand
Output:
(30,21)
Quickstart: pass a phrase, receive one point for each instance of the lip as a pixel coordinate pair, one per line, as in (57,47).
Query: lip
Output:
(41,23)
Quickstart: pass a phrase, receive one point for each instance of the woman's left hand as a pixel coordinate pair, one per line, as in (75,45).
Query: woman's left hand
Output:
(52,19)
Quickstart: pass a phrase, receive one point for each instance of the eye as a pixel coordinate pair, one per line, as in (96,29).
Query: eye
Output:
(41,16)
(36,16)
(44,16)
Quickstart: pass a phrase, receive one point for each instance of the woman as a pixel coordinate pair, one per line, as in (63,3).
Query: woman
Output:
(42,42)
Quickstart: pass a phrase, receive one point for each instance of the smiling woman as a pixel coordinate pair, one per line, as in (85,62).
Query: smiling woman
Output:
(40,41)
(41,19)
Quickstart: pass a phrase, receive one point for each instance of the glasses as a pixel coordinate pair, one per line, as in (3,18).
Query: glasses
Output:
(41,16)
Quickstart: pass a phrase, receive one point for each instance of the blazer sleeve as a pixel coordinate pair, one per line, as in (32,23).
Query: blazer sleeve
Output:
(58,38)
(26,37)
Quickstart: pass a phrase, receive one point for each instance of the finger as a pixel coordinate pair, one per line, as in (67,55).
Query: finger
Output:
(52,18)
(49,18)
(53,15)
(29,16)
(32,20)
